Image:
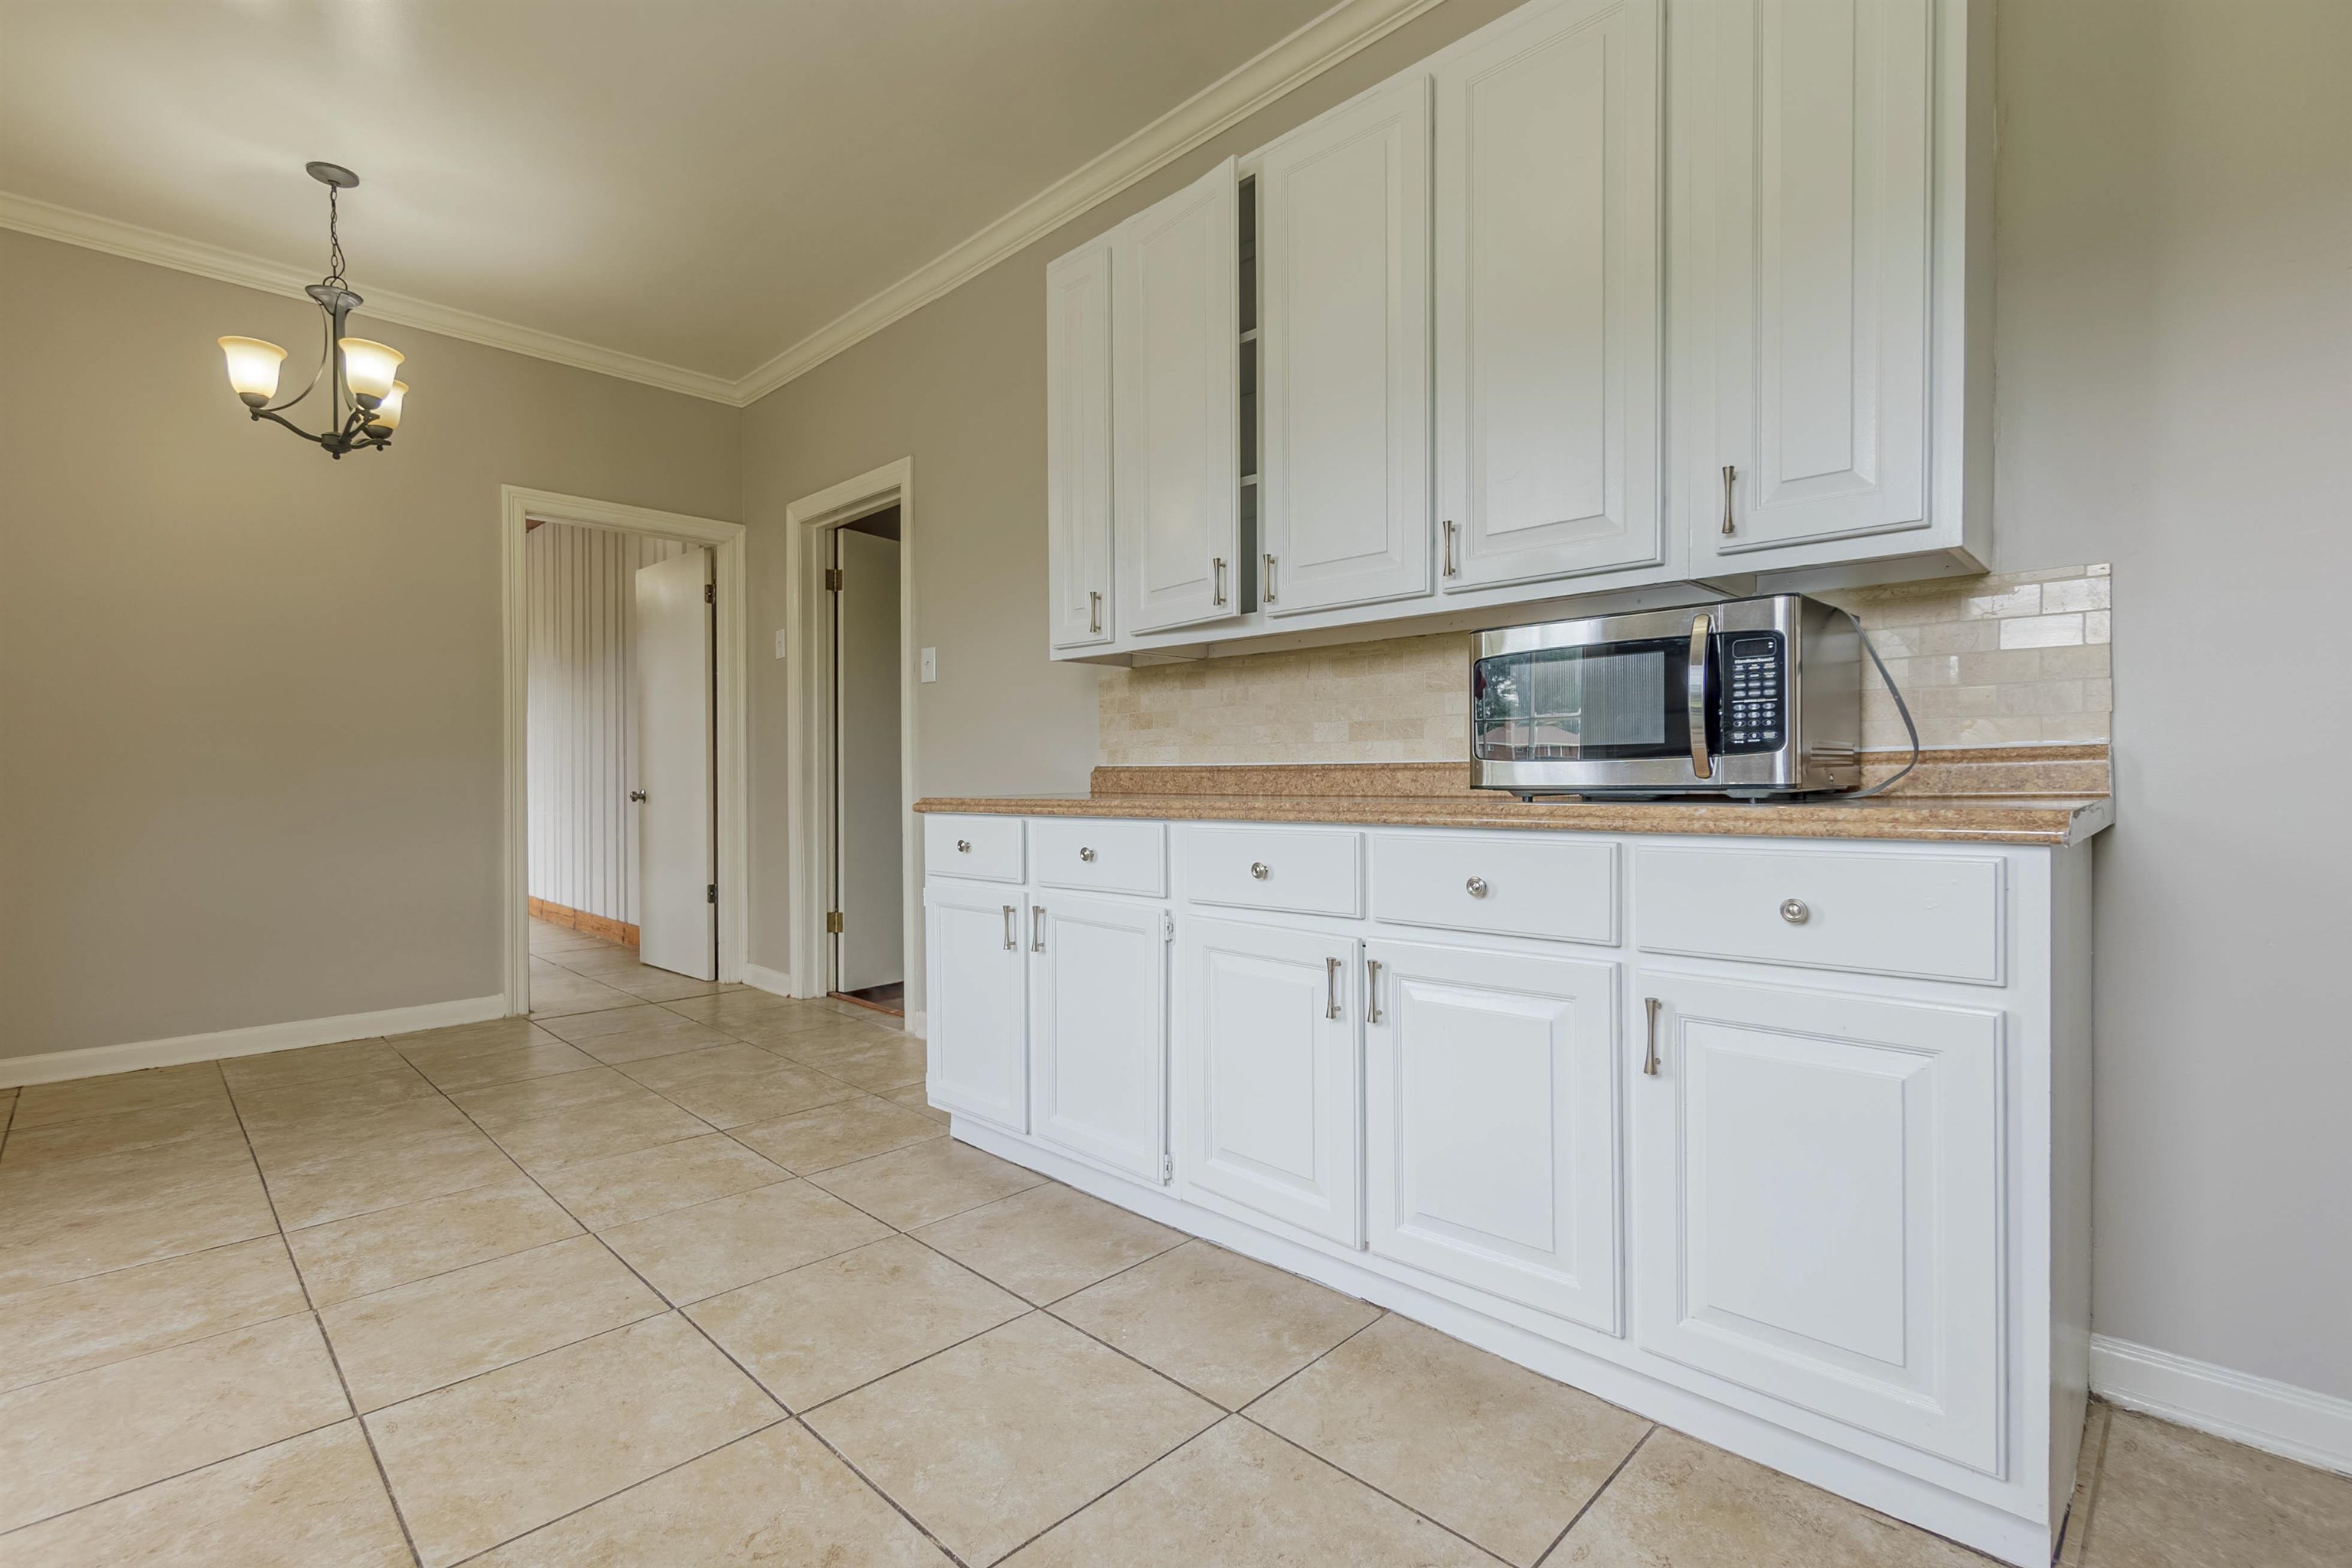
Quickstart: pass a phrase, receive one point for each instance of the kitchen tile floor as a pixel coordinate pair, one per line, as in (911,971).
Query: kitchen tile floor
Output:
(669,1273)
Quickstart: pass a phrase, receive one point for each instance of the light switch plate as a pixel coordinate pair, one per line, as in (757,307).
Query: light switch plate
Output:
(780,642)
(930,664)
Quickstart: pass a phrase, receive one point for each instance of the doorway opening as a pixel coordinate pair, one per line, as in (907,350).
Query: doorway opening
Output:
(865,922)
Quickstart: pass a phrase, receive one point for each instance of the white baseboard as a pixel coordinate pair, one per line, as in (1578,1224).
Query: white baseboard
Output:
(760,977)
(2298,1424)
(919,1025)
(93,1062)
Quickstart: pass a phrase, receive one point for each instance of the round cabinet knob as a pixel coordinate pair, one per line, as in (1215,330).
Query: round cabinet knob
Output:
(637,795)
(1476,887)
(1259,869)
(963,846)
(1086,854)
(1794,911)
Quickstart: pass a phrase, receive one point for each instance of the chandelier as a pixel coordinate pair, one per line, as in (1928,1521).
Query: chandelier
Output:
(365,396)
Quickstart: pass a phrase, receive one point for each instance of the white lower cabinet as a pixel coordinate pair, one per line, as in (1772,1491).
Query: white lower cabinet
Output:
(1490,1121)
(1269,1073)
(1817,1205)
(978,1002)
(1098,1030)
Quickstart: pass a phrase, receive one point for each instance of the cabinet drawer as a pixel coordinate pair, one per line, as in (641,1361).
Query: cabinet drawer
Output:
(1935,917)
(1103,855)
(1310,870)
(987,847)
(1513,884)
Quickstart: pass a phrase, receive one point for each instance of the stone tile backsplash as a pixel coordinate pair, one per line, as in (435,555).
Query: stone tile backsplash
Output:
(2015,660)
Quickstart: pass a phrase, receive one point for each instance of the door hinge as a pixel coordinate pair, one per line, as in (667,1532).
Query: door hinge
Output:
(1166,1167)
(832,579)
(714,893)
(832,923)
(711,593)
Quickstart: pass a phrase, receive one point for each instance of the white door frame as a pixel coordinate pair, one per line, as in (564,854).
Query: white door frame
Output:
(808,721)
(518,509)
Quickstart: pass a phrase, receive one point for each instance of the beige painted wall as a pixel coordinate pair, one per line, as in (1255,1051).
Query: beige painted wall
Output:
(2172,299)
(249,698)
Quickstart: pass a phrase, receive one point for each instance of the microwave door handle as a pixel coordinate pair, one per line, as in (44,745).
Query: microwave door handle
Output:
(1694,691)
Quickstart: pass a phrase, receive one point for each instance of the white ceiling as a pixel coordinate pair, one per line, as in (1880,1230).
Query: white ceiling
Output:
(700,183)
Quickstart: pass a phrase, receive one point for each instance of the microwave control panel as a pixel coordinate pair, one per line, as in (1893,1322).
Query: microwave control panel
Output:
(1756,704)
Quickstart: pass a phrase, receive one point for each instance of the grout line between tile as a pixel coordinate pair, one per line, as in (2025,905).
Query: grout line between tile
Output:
(945,1549)
(176,1474)
(1595,1498)
(1368,1486)
(1153,1463)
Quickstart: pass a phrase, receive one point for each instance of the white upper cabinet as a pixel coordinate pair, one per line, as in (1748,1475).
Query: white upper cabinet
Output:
(1077,445)
(1343,243)
(1174,396)
(1821,318)
(1547,296)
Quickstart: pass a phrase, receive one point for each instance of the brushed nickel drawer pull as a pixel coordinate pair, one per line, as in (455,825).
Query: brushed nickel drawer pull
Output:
(1449,547)
(1011,941)
(1218,598)
(1094,611)
(1476,887)
(1260,869)
(1372,990)
(1795,912)
(1036,928)
(1650,1060)
(1086,854)
(963,846)
(1331,982)
(1729,474)
(1269,579)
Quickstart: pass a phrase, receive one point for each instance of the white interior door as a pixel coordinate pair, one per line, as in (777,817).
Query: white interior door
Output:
(1098,1034)
(868,814)
(1548,281)
(678,912)
(1343,228)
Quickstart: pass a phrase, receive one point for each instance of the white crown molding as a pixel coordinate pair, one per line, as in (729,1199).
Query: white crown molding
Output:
(1329,38)
(1332,37)
(49,221)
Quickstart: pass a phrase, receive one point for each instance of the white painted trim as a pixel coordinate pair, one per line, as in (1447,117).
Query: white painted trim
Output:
(919,1025)
(48,221)
(518,507)
(94,1061)
(760,977)
(808,705)
(1322,43)
(2298,1424)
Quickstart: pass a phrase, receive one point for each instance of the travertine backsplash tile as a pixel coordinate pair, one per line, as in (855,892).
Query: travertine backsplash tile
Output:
(2014,659)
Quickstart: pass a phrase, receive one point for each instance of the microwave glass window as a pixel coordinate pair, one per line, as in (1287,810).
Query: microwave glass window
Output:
(1560,704)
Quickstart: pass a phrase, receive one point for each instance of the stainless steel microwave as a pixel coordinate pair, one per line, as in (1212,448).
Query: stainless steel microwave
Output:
(1753,697)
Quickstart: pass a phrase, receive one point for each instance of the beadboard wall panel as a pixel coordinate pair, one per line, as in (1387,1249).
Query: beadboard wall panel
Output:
(581,737)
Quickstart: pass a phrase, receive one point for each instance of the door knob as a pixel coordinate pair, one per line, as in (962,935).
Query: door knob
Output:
(637,795)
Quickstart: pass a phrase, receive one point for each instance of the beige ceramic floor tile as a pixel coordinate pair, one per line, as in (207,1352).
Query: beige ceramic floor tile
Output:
(926,1181)
(726,1010)
(113,1211)
(916,1099)
(363,1175)
(735,1085)
(43,1104)
(691,1253)
(648,984)
(1236,1497)
(310,1128)
(352,1099)
(1485,1448)
(632,1034)
(307,1502)
(393,1246)
(414,1337)
(108,1317)
(649,1182)
(990,1442)
(491,1033)
(74,1440)
(822,1330)
(312,1064)
(476,1070)
(484,1461)
(62,1140)
(1680,1503)
(1216,1321)
(498,1106)
(879,1068)
(1049,1241)
(555,992)
(836,1134)
(2171,1498)
(775,1500)
(544,1143)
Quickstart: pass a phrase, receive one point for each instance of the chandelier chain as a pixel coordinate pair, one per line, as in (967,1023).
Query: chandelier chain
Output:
(334,243)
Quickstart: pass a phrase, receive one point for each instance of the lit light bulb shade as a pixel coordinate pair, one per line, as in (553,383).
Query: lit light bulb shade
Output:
(253,367)
(387,415)
(369,367)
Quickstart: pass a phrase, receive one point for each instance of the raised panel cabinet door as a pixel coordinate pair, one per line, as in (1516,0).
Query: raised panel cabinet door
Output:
(1547,297)
(978,1047)
(1812,120)
(1078,445)
(1817,1205)
(1490,1150)
(1097,1030)
(1175,396)
(1269,1073)
(1343,232)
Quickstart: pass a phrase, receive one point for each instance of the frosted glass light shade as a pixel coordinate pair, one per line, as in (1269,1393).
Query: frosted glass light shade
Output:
(253,368)
(368,369)
(386,413)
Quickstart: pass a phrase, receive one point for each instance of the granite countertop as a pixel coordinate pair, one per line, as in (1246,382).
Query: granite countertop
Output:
(2048,795)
